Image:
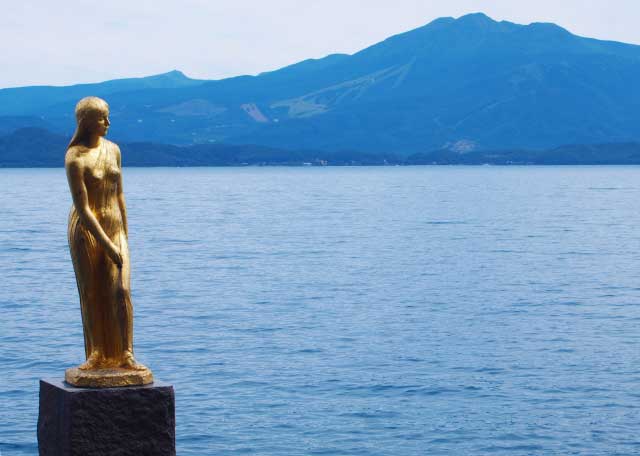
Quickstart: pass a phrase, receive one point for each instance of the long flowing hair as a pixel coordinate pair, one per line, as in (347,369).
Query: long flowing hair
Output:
(86,110)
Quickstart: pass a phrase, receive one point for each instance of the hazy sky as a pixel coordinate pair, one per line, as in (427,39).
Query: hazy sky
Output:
(71,41)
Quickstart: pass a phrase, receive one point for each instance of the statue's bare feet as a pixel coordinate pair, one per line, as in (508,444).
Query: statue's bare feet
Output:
(129,362)
(92,361)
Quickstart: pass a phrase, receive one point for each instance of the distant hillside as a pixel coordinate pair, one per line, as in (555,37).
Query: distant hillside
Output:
(34,147)
(579,154)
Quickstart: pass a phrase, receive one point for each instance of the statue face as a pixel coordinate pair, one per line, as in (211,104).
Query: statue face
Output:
(99,124)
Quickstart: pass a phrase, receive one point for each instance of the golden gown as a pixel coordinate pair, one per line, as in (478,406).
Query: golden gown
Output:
(104,289)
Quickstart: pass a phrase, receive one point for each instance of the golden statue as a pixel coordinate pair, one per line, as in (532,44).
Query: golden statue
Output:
(98,242)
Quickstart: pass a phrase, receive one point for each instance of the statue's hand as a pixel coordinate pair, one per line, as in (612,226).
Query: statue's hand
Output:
(115,255)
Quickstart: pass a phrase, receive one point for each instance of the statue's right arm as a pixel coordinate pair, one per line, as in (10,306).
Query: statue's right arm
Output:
(87,218)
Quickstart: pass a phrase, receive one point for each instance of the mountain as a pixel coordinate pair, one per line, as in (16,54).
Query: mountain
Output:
(32,100)
(470,81)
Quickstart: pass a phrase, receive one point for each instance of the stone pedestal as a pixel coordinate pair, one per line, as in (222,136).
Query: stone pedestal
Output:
(133,420)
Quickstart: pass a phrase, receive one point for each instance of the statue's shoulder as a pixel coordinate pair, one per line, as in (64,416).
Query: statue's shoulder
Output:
(74,155)
(111,145)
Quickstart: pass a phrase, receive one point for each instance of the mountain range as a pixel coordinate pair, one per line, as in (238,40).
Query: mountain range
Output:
(461,85)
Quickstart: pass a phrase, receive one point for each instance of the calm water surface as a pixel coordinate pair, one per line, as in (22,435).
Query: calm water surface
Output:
(352,311)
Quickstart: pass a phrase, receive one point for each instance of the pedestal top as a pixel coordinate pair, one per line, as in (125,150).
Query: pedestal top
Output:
(61,384)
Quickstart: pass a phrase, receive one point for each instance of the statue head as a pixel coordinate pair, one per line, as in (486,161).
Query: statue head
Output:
(92,118)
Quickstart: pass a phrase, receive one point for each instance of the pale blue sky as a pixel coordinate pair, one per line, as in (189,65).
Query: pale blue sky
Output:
(73,41)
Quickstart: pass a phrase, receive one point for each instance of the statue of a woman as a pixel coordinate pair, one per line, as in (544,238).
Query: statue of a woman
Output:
(98,243)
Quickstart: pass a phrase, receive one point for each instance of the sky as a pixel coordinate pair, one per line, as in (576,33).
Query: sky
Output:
(45,42)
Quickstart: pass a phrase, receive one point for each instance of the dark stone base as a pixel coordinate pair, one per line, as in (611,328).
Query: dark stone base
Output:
(133,420)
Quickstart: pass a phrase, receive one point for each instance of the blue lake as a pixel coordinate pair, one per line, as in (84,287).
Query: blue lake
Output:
(351,311)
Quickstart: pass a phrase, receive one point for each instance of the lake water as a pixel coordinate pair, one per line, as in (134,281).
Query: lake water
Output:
(351,311)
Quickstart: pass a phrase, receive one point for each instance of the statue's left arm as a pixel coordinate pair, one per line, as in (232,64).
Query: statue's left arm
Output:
(121,202)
